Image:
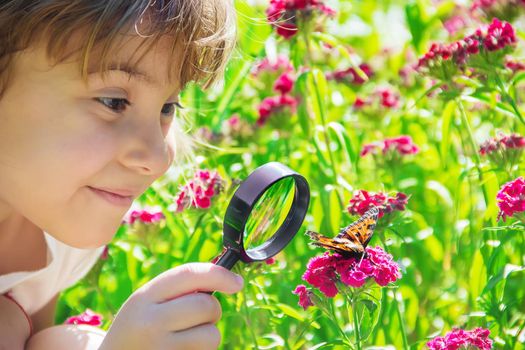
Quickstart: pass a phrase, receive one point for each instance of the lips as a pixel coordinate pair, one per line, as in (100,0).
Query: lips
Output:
(117,192)
(117,197)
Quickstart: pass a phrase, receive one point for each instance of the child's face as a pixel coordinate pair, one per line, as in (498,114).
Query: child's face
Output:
(57,141)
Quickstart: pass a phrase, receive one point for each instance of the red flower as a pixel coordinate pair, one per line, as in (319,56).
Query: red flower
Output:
(283,14)
(320,273)
(275,104)
(144,216)
(284,83)
(502,143)
(514,66)
(350,75)
(286,30)
(305,296)
(458,338)
(87,317)
(444,61)
(402,144)
(198,192)
(362,201)
(359,103)
(280,64)
(324,271)
(511,198)
(388,98)
(499,35)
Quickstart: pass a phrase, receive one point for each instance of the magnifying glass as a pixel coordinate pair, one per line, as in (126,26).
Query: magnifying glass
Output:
(264,214)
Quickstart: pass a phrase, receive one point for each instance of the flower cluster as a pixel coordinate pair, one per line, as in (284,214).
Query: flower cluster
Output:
(87,317)
(144,216)
(443,61)
(459,338)
(199,191)
(350,75)
(275,104)
(381,98)
(504,150)
(402,145)
(513,65)
(325,271)
(278,65)
(305,296)
(505,9)
(362,201)
(284,14)
(511,199)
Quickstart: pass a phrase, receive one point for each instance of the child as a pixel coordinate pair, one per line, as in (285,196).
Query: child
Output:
(88,90)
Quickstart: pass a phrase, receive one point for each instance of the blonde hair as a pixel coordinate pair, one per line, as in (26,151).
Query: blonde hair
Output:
(203,29)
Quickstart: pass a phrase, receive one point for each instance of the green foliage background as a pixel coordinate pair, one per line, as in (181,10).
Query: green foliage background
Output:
(461,268)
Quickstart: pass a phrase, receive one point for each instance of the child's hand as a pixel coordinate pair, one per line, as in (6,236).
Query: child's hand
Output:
(168,312)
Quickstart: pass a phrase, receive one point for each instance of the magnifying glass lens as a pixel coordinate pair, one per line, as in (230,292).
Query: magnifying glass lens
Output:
(269,213)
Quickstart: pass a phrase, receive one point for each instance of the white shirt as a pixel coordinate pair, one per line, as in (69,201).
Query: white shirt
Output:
(65,266)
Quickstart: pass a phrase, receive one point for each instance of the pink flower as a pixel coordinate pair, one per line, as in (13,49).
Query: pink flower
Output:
(87,317)
(444,61)
(502,143)
(198,192)
(279,65)
(514,66)
(362,201)
(320,273)
(499,35)
(270,261)
(283,14)
(506,9)
(458,338)
(511,198)
(454,24)
(504,151)
(305,298)
(388,98)
(284,83)
(144,216)
(401,144)
(275,104)
(324,271)
(350,75)
(385,269)
(359,103)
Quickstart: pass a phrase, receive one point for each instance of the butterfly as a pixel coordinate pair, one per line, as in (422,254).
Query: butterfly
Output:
(351,240)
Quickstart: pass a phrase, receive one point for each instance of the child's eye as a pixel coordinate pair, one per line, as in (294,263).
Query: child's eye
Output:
(169,108)
(115,104)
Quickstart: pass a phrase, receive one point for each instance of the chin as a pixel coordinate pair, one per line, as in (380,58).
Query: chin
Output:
(88,239)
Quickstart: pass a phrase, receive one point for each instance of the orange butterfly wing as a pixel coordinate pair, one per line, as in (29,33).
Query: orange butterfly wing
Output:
(351,240)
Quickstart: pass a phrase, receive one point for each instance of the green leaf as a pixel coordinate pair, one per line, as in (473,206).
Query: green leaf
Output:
(447,117)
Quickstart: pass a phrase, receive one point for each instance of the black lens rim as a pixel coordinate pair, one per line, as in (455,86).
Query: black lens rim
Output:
(245,198)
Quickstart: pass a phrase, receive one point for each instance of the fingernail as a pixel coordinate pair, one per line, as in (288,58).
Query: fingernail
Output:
(239,279)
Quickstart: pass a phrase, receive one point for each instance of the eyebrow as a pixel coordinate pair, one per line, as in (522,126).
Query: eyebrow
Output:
(130,71)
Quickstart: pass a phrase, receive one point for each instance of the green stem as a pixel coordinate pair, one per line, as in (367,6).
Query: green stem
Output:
(401,323)
(332,317)
(326,139)
(357,331)
(247,320)
(508,98)
(477,160)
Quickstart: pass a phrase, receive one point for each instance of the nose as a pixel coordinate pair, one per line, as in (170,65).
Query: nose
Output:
(145,148)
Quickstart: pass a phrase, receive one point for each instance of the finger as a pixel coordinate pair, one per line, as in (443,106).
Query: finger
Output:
(203,337)
(187,311)
(192,277)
